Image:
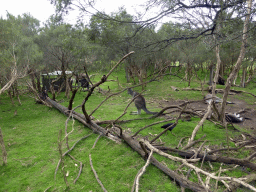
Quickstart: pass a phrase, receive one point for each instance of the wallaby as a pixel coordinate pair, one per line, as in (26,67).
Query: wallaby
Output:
(140,103)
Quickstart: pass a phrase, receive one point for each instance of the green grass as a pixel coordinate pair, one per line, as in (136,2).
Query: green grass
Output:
(31,139)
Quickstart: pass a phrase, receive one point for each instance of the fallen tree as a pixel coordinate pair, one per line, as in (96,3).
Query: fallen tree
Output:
(146,148)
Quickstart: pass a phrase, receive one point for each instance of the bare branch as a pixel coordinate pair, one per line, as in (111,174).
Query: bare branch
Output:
(95,174)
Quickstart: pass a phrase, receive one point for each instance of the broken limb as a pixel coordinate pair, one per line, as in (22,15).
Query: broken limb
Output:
(95,174)
(212,158)
(209,110)
(61,159)
(140,173)
(198,170)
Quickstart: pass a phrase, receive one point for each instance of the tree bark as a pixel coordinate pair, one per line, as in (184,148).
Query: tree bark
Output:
(4,153)
(212,158)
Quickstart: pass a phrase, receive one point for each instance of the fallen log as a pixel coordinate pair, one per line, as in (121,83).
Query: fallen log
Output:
(134,144)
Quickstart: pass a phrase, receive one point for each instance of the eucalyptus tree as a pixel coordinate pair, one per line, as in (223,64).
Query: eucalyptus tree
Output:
(19,53)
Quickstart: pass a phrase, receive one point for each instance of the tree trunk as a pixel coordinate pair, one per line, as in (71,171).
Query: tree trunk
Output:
(244,74)
(239,61)
(211,74)
(4,153)
(127,74)
(15,87)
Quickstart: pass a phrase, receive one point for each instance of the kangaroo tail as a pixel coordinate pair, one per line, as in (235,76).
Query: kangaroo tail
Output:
(149,112)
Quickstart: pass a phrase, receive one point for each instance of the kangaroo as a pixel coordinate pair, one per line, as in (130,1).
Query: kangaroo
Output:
(140,103)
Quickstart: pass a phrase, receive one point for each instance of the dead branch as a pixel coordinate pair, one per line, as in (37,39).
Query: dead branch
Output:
(140,173)
(193,143)
(72,99)
(81,118)
(76,144)
(212,158)
(234,185)
(47,189)
(96,141)
(181,141)
(95,174)
(37,95)
(251,156)
(61,159)
(209,110)
(80,167)
(4,153)
(240,91)
(66,127)
(182,181)
(102,80)
(229,149)
(198,170)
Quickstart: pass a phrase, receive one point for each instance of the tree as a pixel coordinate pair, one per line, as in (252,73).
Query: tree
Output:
(18,50)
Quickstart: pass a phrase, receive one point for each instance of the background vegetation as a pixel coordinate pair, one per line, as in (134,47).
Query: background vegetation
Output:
(181,53)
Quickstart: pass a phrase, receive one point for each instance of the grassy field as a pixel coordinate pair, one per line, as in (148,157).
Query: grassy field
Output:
(31,138)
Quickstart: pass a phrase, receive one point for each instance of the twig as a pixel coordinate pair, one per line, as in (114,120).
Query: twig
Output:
(216,185)
(66,127)
(251,156)
(61,159)
(96,141)
(80,168)
(140,173)
(181,141)
(57,167)
(95,174)
(194,142)
(47,189)
(75,144)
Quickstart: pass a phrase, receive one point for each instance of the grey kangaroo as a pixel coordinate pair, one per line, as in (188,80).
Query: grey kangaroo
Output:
(140,103)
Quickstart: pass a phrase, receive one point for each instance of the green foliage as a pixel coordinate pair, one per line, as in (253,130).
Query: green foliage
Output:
(17,43)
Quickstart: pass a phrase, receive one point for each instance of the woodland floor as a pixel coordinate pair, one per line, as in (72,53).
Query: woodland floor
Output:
(247,110)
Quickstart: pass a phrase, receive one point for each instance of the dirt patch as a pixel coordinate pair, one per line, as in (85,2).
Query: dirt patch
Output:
(248,111)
